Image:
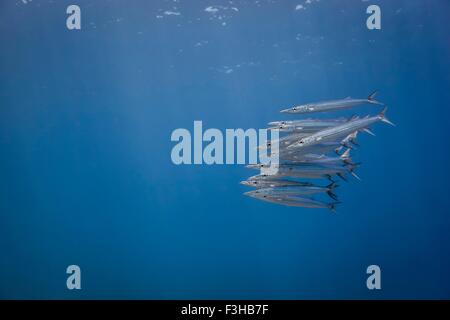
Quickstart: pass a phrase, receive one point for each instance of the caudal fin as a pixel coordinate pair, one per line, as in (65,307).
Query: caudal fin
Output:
(372,95)
(371,98)
(345,155)
(354,142)
(383,117)
(332,195)
(330,178)
(352,172)
(332,185)
(347,145)
(332,206)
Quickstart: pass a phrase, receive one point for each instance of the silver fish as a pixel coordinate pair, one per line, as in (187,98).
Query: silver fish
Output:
(292,201)
(296,153)
(269,183)
(308,122)
(300,190)
(285,141)
(340,131)
(313,172)
(332,105)
(310,159)
(308,125)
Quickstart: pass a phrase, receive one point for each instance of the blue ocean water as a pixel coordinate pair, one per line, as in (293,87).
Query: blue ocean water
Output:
(86,176)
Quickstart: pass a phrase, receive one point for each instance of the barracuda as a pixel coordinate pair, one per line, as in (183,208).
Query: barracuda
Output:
(340,131)
(332,105)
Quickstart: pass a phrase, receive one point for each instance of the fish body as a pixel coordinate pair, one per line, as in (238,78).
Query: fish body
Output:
(287,151)
(269,183)
(308,122)
(314,159)
(300,190)
(332,105)
(297,154)
(308,172)
(340,131)
(285,141)
(306,126)
(292,201)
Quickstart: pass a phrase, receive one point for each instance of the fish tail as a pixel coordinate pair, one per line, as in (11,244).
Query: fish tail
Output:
(332,195)
(348,146)
(354,165)
(372,95)
(371,98)
(331,186)
(367,130)
(348,162)
(332,206)
(353,141)
(340,175)
(352,172)
(383,117)
(346,154)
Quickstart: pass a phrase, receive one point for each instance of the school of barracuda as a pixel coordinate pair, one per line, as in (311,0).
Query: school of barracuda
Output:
(312,149)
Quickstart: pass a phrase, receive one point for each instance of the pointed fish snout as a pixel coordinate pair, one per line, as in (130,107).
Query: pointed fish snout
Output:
(286,110)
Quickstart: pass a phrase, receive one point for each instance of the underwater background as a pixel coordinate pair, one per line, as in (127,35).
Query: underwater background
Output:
(86,176)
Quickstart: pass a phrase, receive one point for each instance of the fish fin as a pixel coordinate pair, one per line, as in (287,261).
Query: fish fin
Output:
(330,178)
(332,195)
(354,165)
(331,186)
(371,99)
(352,172)
(352,138)
(347,162)
(340,175)
(372,95)
(348,146)
(367,130)
(346,154)
(383,117)
(332,206)
(337,150)
(353,141)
